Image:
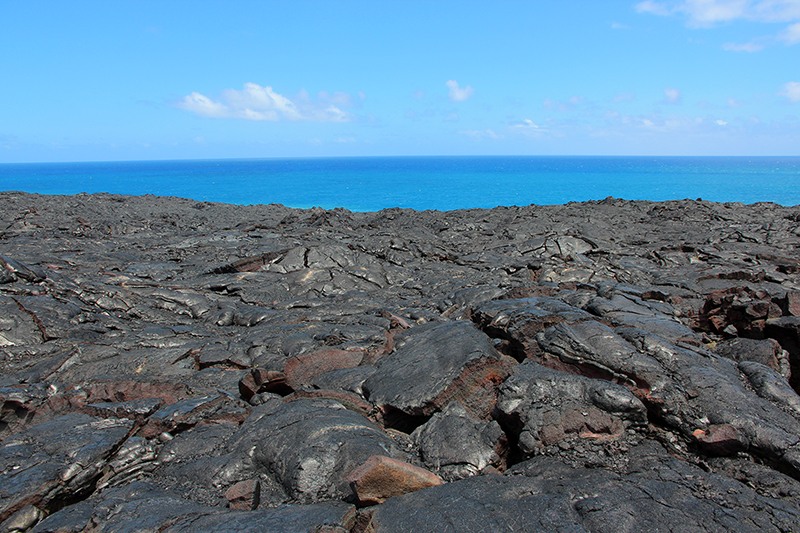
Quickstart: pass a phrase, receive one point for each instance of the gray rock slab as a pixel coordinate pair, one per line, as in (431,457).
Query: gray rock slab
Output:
(448,362)
(520,320)
(310,446)
(56,461)
(454,445)
(16,326)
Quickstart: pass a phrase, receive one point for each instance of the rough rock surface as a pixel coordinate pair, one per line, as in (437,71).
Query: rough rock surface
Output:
(171,365)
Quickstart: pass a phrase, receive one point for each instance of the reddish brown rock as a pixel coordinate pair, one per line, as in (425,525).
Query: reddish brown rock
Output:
(259,380)
(789,303)
(301,369)
(350,400)
(245,495)
(744,309)
(380,478)
(125,390)
(720,439)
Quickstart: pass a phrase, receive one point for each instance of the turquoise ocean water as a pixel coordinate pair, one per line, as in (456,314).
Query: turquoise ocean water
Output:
(441,183)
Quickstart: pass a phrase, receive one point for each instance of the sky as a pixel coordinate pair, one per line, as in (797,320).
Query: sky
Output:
(139,80)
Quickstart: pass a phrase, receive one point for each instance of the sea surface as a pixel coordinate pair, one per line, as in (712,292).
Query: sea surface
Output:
(440,183)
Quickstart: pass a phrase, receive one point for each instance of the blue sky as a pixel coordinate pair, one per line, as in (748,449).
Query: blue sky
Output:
(85,81)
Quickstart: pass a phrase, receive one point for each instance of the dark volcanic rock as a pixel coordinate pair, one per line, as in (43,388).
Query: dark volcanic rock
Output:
(56,461)
(544,495)
(543,407)
(142,507)
(451,362)
(455,445)
(171,365)
(311,446)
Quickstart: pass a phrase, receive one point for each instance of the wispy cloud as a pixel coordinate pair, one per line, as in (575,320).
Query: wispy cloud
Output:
(672,96)
(752,46)
(790,35)
(706,13)
(255,102)
(457,94)
(527,127)
(791,91)
(481,134)
(656,8)
(710,13)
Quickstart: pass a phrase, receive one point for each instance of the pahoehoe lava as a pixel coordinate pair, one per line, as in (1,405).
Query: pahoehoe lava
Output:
(178,366)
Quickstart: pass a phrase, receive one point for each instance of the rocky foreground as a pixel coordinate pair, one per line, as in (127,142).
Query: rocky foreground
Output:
(179,366)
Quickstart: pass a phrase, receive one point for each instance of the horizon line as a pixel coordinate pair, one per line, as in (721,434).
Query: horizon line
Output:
(407,156)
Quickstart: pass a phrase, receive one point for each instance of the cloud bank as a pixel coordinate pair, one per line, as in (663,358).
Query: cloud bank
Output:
(255,102)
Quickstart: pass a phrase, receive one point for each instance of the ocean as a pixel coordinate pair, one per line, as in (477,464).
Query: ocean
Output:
(440,183)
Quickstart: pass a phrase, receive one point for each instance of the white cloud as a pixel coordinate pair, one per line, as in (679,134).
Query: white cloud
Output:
(526,124)
(707,13)
(721,122)
(791,35)
(672,96)
(527,127)
(481,134)
(202,105)
(255,102)
(746,47)
(457,94)
(710,13)
(733,102)
(791,91)
(656,8)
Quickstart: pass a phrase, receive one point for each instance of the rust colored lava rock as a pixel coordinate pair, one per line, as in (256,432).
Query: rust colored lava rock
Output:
(380,478)
(722,439)
(259,380)
(301,369)
(245,495)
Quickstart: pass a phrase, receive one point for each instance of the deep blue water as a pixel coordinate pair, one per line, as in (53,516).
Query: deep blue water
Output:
(442,183)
